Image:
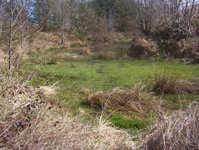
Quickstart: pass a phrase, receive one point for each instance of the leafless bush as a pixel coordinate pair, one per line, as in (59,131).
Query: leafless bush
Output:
(180,130)
(190,48)
(140,47)
(173,85)
(118,99)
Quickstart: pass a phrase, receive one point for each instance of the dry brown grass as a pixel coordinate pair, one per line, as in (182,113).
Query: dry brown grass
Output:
(44,59)
(28,121)
(105,55)
(85,52)
(48,90)
(179,131)
(3,57)
(174,85)
(134,99)
(85,91)
(117,52)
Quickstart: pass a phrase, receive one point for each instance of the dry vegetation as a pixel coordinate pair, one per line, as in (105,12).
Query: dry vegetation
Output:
(31,121)
(177,131)
(105,55)
(45,58)
(117,52)
(134,99)
(47,40)
(2,57)
(173,85)
(141,47)
(85,52)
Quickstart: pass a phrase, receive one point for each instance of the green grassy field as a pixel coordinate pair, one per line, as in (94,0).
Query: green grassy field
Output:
(106,74)
(74,75)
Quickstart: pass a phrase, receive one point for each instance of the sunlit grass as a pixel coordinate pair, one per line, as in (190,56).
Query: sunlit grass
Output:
(104,75)
(73,75)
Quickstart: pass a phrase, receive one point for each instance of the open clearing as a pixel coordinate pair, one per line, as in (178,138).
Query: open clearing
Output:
(79,76)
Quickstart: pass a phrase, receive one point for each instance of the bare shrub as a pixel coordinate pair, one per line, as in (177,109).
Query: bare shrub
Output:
(171,48)
(173,85)
(140,47)
(128,100)
(100,34)
(190,52)
(190,48)
(167,33)
(175,43)
(177,131)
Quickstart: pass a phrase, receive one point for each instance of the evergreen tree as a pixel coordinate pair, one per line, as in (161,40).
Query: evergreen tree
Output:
(104,8)
(123,13)
(42,14)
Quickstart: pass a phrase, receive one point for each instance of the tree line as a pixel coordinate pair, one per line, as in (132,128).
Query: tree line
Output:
(167,19)
(84,16)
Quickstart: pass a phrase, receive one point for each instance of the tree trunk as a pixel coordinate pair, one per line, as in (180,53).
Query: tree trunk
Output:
(22,39)
(1,19)
(62,34)
(10,39)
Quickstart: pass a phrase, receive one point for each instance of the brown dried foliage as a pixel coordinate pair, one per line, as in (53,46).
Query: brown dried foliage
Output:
(105,55)
(119,99)
(167,84)
(141,47)
(180,130)
(86,52)
(28,121)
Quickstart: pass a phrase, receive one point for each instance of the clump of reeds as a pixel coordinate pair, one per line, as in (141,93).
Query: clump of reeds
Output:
(163,84)
(135,99)
(180,130)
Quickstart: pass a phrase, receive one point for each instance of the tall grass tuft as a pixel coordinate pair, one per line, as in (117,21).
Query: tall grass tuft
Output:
(134,99)
(180,130)
(173,85)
